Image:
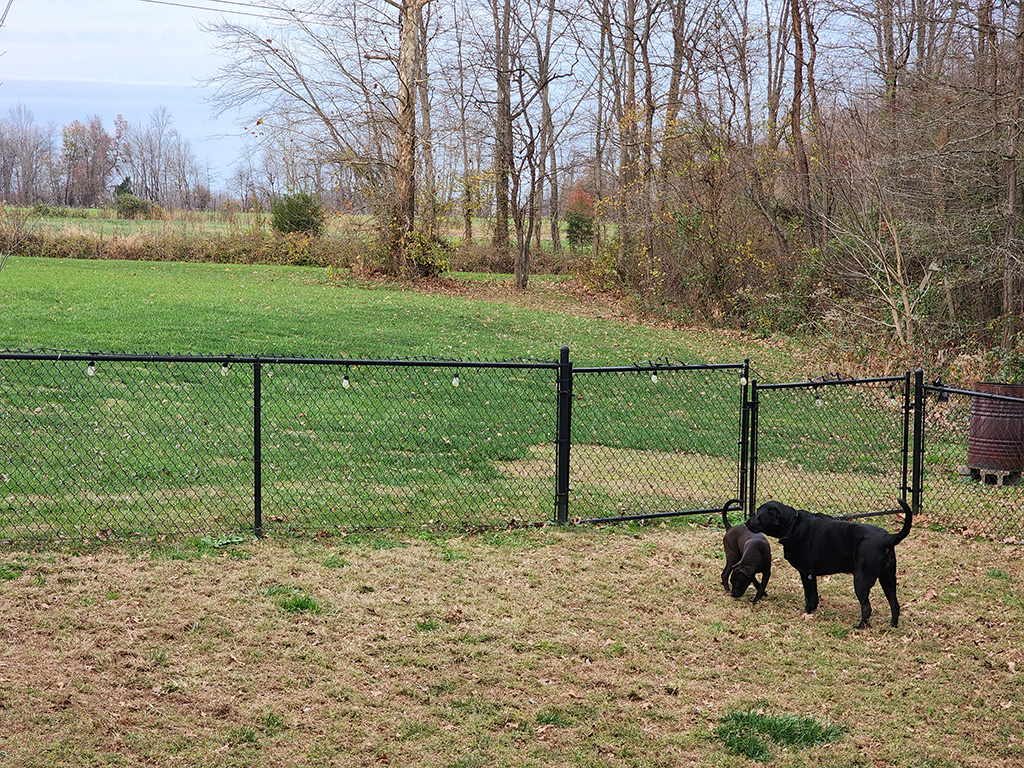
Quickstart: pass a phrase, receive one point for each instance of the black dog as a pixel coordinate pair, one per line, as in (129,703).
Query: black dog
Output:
(746,554)
(819,545)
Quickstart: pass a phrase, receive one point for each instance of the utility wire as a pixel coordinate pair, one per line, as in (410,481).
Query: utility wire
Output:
(8,8)
(238,13)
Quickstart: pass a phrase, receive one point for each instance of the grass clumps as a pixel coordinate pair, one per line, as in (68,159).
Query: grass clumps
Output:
(750,733)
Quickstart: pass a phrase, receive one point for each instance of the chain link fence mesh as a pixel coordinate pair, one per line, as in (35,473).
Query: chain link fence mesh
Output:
(410,447)
(654,440)
(835,447)
(122,448)
(973,459)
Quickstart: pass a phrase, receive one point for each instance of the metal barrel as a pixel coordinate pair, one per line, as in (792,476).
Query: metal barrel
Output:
(996,438)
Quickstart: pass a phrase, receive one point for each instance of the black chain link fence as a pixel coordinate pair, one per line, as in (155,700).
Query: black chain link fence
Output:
(141,445)
(973,457)
(851,448)
(103,446)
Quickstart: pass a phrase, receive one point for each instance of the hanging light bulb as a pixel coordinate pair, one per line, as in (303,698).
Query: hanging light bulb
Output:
(345,383)
(817,399)
(91,368)
(224,368)
(654,377)
(743,380)
(455,379)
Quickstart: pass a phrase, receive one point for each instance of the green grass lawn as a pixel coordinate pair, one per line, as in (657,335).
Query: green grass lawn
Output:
(246,310)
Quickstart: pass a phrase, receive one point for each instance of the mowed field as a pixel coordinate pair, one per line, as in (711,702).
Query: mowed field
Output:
(544,647)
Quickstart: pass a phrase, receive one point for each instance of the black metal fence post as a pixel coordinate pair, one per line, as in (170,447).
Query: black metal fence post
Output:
(257,448)
(744,435)
(908,426)
(563,440)
(750,504)
(917,460)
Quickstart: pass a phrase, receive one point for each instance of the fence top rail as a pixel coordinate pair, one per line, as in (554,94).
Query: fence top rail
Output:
(815,383)
(55,356)
(649,366)
(944,390)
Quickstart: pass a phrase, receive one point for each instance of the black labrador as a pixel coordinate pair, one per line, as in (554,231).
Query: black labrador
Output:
(746,555)
(819,545)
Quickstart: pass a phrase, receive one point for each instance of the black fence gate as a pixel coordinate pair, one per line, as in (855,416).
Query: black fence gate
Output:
(840,446)
(850,447)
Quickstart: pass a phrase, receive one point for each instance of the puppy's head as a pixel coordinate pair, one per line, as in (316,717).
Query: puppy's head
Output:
(740,582)
(773,518)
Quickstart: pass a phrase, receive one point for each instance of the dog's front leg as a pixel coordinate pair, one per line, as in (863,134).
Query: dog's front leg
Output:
(810,583)
(764,582)
(760,588)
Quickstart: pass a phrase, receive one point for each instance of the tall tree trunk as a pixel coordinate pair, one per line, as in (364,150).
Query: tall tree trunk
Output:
(802,168)
(600,131)
(1011,304)
(426,135)
(625,96)
(502,122)
(405,139)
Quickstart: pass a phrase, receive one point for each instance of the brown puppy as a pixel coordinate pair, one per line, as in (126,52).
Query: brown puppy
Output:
(819,545)
(746,554)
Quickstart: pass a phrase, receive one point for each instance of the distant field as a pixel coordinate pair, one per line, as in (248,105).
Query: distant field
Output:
(104,221)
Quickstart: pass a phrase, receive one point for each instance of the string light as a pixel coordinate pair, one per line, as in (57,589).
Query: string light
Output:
(817,398)
(654,377)
(345,383)
(91,368)
(224,368)
(455,379)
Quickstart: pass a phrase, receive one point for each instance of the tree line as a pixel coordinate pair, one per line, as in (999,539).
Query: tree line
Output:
(81,164)
(849,165)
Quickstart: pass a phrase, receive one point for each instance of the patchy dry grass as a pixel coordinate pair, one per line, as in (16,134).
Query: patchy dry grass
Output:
(576,647)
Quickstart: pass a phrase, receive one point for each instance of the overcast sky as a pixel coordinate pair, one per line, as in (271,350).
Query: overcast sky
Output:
(72,59)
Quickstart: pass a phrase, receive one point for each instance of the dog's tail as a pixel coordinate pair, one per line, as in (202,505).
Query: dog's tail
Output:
(728,507)
(908,517)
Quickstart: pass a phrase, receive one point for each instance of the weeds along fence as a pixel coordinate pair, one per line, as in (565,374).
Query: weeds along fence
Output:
(113,445)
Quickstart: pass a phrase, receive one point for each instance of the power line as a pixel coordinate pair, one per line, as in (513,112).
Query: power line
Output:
(233,12)
(8,8)
(215,10)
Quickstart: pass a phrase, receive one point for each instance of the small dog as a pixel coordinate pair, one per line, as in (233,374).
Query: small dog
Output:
(819,545)
(746,554)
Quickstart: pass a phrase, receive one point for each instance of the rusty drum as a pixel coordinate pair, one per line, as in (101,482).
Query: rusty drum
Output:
(996,439)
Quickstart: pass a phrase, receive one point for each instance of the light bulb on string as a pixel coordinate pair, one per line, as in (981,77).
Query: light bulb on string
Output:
(345,383)
(455,379)
(817,399)
(90,370)
(224,368)
(654,377)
